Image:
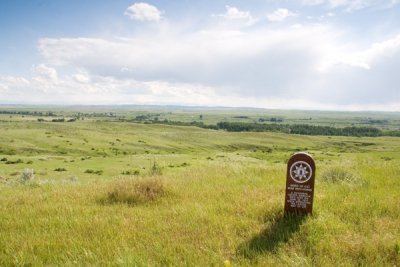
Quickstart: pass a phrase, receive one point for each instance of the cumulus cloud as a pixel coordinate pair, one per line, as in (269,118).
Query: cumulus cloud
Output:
(261,64)
(143,12)
(234,14)
(280,14)
(366,58)
(256,61)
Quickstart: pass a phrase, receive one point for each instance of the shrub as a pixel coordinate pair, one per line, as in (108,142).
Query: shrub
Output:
(131,172)
(27,175)
(136,191)
(14,162)
(60,170)
(98,172)
(3,159)
(155,169)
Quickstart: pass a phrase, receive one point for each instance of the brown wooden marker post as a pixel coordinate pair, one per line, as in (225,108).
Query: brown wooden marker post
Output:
(300,178)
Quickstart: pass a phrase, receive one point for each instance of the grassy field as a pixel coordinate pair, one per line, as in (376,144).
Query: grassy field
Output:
(221,202)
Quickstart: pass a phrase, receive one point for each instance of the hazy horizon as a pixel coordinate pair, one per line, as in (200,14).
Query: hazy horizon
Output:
(294,55)
(190,108)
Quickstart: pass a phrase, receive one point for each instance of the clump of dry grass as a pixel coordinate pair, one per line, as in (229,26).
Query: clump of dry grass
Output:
(137,190)
(28,175)
(3,180)
(341,175)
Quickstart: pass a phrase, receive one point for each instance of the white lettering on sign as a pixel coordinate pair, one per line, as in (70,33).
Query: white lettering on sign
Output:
(298,200)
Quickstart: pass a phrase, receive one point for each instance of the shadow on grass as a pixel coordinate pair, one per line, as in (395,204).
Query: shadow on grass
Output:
(268,241)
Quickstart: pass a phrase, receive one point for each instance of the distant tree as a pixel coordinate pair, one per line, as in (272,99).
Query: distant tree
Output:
(303,129)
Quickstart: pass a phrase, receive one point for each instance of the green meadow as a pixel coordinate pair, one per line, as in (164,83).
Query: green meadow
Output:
(99,191)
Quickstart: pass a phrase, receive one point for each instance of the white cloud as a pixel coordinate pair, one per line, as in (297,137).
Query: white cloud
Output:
(13,81)
(109,90)
(3,88)
(352,5)
(82,77)
(214,57)
(143,12)
(312,2)
(45,78)
(365,59)
(257,64)
(46,72)
(280,14)
(234,14)
(84,88)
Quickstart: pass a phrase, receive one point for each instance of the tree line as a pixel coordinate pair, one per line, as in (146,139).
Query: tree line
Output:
(302,129)
(31,113)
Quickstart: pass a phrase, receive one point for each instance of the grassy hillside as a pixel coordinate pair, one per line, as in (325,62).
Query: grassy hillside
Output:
(221,202)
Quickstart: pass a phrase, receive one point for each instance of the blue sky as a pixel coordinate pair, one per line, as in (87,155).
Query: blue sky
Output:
(307,54)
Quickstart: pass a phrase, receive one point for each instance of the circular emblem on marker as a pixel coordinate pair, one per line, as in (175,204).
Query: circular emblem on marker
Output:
(300,171)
